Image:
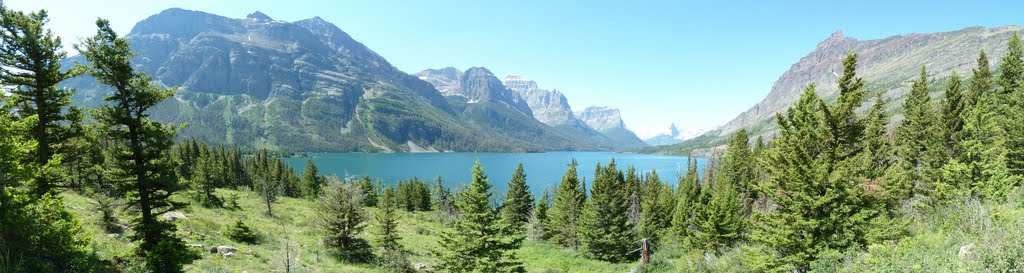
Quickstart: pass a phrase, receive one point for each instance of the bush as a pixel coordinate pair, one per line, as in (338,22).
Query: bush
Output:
(242,233)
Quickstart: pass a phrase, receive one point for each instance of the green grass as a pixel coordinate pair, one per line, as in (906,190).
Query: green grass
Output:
(992,231)
(295,219)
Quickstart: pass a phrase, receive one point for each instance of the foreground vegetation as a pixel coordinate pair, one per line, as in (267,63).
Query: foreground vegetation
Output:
(834,191)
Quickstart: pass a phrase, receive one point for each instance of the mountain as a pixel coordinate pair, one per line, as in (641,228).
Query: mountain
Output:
(888,65)
(484,100)
(308,86)
(608,121)
(552,108)
(672,137)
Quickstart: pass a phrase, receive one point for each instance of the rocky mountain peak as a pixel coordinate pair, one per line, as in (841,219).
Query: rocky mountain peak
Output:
(833,40)
(548,106)
(258,16)
(517,83)
(601,117)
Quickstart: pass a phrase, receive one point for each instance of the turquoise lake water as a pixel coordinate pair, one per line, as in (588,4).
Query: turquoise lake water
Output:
(543,170)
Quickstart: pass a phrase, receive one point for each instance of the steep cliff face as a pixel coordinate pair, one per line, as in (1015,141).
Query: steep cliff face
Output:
(609,122)
(549,107)
(888,65)
(552,108)
(476,84)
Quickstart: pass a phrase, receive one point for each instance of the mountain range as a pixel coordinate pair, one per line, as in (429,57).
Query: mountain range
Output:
(258,82)
(887,65)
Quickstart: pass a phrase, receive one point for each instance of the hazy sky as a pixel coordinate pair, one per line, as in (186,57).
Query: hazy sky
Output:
(695,63)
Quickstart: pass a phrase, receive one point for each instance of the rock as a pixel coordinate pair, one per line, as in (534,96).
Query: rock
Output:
(422,267)
(174,215)
(199,246)
(226,250)
(965,250)
(115,235)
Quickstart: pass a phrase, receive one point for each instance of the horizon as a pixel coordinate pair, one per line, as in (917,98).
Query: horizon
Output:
(697,86)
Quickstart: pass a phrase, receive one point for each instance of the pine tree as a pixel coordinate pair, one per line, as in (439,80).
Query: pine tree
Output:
(952,117)
(1010,103)
(568,205)
(633,193)
(982,168)
(719,221)
(444,202)
(738,167)
(981,83)
(31,57)
(387,221)
(518,200)
(847,127)
(143,154)
(312,181)
(915,144)
(479,241)
(1012,67)
(656,208)
(877,146)
(341,219)
(538,225)
(369,190)
(268,190)
(605,233)
(43,235)
(817,199)
(687,201)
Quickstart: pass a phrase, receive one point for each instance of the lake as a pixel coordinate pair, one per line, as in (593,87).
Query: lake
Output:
(543,170)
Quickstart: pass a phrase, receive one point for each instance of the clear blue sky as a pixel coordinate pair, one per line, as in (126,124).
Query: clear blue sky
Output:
(695,63)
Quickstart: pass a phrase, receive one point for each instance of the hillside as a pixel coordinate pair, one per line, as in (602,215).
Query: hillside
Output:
(257,82)
(887,65)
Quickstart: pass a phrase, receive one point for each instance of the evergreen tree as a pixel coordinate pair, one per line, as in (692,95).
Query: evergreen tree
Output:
(142,155)
(205,177)
(981,83)
(719,221)
(538,225)
(30,57)
(605,233)
(45,237)
(369,190)
(738,167)
(518,200)
(1012,67)
(982,168)
(687,201)
(952,117)
(633,193)
(387,221)
(443,199)
(847,127)
(656,208)
(1010,103)
(340,218)
(564,215)
(312,181)
(818,202)
(915,145)
(877,146)
(268,190)
(479,241)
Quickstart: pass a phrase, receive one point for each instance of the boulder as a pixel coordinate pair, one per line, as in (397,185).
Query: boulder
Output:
(965,250)
(226,250)
(174,215)
(422,267)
